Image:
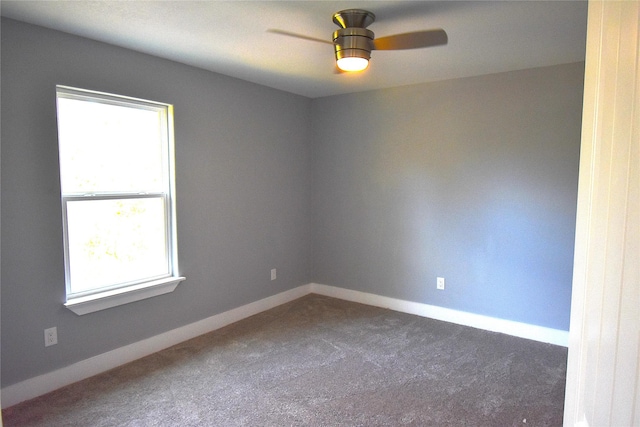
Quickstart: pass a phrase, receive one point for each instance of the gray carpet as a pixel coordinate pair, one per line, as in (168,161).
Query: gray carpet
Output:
(320,361)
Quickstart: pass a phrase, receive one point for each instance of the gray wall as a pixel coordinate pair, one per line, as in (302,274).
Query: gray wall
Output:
(243,188)
(474,180)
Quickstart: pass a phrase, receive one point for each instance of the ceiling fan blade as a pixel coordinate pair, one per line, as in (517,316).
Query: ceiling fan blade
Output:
(298,36)
(413,40)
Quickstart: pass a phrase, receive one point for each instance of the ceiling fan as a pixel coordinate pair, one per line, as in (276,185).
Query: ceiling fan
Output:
(353,42)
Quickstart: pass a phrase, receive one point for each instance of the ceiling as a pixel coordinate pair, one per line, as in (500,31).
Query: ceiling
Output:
(230,37)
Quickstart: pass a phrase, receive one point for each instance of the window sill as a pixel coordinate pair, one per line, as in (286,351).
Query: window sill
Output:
(104,300)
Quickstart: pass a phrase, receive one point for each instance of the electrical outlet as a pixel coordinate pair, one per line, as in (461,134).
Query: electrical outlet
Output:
(440,283)
(50,336)
(273,274)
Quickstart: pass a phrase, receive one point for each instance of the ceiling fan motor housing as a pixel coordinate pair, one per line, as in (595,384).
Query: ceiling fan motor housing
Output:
(353,41)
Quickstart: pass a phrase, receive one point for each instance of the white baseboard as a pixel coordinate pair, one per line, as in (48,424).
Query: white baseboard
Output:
(45,383)
(509,327)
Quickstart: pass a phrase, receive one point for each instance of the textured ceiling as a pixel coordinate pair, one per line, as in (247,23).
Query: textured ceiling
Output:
(230,37)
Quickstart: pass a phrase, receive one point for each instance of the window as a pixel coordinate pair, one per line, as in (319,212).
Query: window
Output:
(118,198)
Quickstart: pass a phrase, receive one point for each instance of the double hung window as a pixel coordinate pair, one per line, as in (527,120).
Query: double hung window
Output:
(118,198)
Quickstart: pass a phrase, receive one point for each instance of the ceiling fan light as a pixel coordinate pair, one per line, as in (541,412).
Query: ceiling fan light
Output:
(352,63)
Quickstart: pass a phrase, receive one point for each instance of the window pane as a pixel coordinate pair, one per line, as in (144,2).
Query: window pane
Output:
(116,241)
(110,148)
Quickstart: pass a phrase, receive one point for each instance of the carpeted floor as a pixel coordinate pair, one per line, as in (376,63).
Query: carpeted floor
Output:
(319,361)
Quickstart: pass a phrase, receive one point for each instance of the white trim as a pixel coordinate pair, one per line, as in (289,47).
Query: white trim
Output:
(45,383)
(603,370)
(509,327)
(104,300)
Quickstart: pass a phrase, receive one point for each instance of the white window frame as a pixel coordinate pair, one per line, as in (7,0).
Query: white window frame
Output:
(124,293)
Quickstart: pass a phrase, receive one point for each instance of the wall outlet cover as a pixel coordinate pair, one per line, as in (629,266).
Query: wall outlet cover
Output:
(50,336)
